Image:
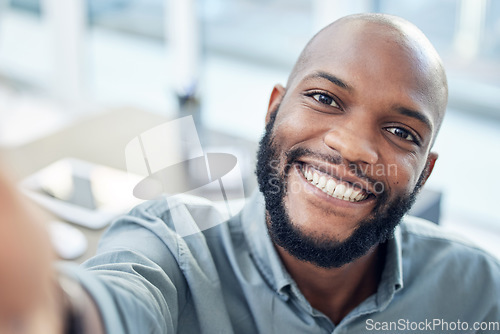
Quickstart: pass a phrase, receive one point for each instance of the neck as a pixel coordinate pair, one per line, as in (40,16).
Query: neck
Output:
(337,291)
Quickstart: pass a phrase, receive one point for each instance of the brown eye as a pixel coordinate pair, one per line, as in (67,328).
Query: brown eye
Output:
(402,133)
(325,99)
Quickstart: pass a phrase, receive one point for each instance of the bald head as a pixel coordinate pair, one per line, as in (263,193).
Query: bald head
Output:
(375,39)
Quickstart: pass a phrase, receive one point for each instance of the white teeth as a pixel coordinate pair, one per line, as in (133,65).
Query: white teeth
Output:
(339,191)
(315,178)
(308,175)
(354,194)
(347,193)
(322,182)
(330,186)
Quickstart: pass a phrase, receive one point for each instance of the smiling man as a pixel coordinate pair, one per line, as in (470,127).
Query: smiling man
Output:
(324,246)
(346,150)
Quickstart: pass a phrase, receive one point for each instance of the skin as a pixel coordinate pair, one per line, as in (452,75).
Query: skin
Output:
(30,301)
(369,90)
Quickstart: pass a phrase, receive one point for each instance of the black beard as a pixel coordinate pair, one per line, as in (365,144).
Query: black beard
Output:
(320,251)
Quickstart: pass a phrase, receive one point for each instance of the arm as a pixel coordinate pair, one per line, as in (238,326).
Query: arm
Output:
(35,296)
(135,277)
(30,297)
(133,285)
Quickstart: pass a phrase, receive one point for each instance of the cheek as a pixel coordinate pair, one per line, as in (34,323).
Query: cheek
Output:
(293,126)
(403,173)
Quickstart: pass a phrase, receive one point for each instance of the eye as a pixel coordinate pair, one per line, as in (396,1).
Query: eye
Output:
(325,99)
(402,133)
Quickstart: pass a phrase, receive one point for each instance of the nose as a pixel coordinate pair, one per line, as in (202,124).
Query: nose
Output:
(353,143)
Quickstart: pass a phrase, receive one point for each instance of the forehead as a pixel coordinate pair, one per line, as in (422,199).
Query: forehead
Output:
(368,48)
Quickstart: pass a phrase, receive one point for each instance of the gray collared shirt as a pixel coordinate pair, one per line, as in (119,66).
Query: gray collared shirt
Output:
(146,278)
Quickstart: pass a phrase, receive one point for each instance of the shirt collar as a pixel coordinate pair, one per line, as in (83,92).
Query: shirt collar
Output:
(392,275)
(272,269)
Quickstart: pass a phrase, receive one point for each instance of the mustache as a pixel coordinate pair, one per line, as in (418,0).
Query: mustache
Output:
(336,159)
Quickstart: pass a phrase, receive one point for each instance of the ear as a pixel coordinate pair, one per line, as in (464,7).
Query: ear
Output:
(431,161)
(275,99)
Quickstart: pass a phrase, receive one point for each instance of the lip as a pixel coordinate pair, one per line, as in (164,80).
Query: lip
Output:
(340,174)
(327,198)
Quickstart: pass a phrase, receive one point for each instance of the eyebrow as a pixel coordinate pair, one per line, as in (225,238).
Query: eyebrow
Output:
(333,79)
(415,114)
(402,110)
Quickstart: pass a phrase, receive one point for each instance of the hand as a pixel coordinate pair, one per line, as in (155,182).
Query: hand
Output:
(30,299)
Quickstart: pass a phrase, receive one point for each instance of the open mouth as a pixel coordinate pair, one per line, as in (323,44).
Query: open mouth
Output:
(332,186)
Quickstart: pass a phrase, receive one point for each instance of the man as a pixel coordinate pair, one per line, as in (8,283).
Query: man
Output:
(322,247)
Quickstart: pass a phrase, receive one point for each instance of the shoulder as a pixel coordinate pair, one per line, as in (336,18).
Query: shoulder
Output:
(164,234)
(161,206)
(182,214)
(156,227)
(420,230)
(434,247)
(444,276)
(186,223)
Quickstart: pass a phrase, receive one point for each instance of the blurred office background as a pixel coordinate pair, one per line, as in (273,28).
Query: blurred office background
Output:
(69,62)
